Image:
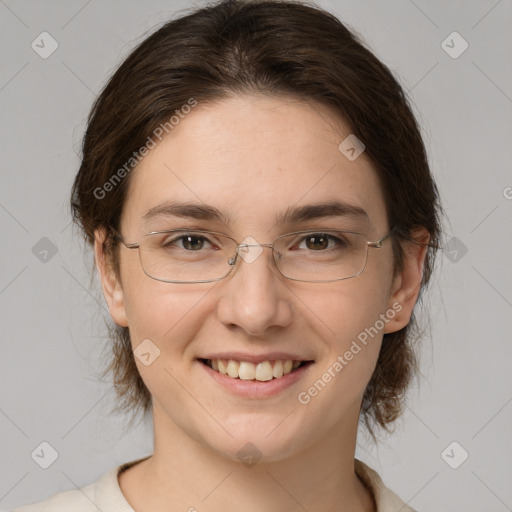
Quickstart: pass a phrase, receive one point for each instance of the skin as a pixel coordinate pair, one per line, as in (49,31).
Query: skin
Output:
(253,157)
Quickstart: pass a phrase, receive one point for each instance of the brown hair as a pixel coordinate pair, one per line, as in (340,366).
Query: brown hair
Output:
(273,48)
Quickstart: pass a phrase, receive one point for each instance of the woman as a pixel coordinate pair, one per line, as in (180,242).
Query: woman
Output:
(264,219)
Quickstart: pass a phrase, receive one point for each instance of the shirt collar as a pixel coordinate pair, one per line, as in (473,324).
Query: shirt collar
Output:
(109,497)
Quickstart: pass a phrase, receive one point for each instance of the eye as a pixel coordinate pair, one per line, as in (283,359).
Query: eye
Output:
(189,241)
(320,242)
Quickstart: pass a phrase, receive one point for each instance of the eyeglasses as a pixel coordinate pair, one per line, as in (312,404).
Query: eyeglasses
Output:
(200,256)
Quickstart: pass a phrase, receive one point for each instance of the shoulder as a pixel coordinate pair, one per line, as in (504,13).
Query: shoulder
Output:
(386,500)
(78,500)
(104,494)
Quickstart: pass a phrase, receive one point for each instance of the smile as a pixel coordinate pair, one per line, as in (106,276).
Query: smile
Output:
(262,371)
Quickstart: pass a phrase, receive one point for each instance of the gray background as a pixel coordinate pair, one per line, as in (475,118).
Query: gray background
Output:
(52,331)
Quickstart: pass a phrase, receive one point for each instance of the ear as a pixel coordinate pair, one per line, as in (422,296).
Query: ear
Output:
(112,289)
(406,285)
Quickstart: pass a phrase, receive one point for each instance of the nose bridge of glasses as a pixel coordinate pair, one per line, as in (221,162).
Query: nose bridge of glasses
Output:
(255,245)
(242,250)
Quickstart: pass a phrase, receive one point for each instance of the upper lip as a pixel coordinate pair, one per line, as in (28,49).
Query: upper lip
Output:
(255,358)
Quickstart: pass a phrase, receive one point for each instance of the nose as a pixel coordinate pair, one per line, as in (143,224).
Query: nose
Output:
(254,296)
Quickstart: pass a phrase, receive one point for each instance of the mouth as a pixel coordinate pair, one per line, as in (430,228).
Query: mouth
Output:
(263,371)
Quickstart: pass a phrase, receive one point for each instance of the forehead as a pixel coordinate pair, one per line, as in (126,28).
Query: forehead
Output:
(253,159)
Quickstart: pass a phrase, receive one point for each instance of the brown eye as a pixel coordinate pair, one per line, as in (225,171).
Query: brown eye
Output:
(317,242)
(320,242)
(193,242)
(189,242)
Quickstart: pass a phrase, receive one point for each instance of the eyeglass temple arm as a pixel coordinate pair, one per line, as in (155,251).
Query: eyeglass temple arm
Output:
(378,243)
(119,237)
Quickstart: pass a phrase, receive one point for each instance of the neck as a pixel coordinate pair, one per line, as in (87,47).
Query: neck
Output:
(184,474)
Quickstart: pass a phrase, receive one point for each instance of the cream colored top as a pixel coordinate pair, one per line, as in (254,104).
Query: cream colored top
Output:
(105,494)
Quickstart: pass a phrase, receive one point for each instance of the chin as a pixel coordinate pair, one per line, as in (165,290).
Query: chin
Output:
(266,441)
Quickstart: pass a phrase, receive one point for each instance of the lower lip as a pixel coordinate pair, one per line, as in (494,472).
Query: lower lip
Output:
(255,388)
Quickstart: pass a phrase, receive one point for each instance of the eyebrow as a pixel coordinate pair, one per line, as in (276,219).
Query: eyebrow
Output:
(334,208)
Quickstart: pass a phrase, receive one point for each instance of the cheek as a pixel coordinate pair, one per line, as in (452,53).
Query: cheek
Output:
(154,309)
(156,314)
(162,322)
(167,314)
(352,306)
(353,312)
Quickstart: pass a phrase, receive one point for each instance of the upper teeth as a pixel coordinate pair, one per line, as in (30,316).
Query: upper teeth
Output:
(266,370)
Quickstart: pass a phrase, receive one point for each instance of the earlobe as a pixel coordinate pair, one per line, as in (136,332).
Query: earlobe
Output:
(407,284)
(111,285)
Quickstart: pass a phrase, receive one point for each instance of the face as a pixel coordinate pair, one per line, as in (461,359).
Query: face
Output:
(253,158)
